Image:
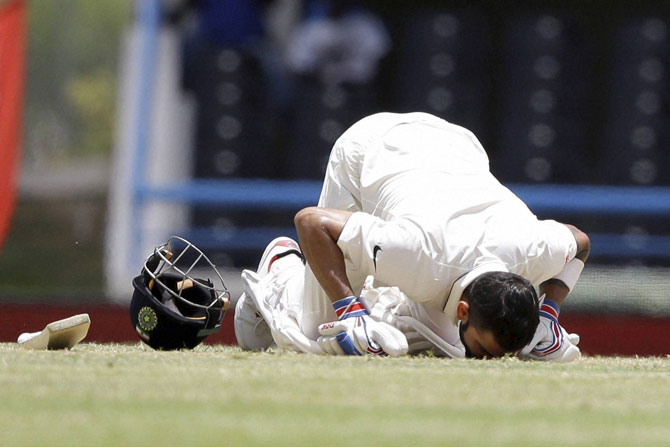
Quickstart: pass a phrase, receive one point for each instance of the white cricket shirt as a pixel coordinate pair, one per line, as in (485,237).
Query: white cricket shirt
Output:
(431,215)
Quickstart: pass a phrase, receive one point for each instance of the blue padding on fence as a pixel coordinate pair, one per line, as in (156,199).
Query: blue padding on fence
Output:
(596,200)
(258,194)
(256,238)
(544,199)
(627,246)
(237,238)
(248,194)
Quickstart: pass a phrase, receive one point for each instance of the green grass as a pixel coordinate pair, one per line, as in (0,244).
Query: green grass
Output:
(130,395)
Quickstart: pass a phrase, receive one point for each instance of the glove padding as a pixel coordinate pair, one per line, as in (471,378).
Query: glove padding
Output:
(356,333)
(551,342)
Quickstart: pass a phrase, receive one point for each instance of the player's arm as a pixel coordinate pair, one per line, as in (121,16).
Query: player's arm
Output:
(355,332)
(557,288)
(551,341)
(318,232)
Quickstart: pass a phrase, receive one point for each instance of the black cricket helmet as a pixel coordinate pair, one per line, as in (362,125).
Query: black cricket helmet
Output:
(173,307)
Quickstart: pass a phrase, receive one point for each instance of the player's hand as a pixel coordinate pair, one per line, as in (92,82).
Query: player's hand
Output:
(551,342)
(356,333)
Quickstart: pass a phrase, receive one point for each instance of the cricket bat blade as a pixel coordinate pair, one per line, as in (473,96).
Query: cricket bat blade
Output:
(60,334)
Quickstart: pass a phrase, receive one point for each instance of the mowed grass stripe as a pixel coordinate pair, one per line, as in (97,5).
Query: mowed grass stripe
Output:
(216,395)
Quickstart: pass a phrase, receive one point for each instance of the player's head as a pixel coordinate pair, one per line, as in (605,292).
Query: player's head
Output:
(499,314)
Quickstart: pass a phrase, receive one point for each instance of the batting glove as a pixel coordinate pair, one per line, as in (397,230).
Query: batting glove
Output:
(551,342)
(356,333)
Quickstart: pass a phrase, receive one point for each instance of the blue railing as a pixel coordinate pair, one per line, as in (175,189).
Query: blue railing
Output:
(547,200)
(542,199)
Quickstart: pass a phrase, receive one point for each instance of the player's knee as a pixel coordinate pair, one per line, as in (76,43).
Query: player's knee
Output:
(306,217)
(308,213)
(301,216)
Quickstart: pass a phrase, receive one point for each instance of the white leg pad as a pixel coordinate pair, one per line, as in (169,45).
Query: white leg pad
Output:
(278,298)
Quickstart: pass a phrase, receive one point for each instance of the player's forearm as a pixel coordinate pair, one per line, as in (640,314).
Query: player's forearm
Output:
(318,232)
(554,290)
(557,289)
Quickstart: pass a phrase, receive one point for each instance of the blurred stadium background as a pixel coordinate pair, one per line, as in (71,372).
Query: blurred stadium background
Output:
(124,122)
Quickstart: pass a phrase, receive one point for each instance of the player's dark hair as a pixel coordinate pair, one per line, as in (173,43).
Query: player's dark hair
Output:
(505,304)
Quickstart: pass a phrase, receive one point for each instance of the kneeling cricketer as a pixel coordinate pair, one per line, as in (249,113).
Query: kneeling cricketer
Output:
(414,246)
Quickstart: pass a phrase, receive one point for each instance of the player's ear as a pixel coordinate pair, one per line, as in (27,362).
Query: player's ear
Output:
(463,310)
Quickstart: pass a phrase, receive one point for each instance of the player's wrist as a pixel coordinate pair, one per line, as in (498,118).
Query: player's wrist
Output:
(550,305)
(549,309)
(349,307)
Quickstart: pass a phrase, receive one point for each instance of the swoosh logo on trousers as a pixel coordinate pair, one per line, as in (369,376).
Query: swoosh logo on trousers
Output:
(374,255)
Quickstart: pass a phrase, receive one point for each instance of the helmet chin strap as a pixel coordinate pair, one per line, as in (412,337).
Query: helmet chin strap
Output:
(152,263)
(212,324)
